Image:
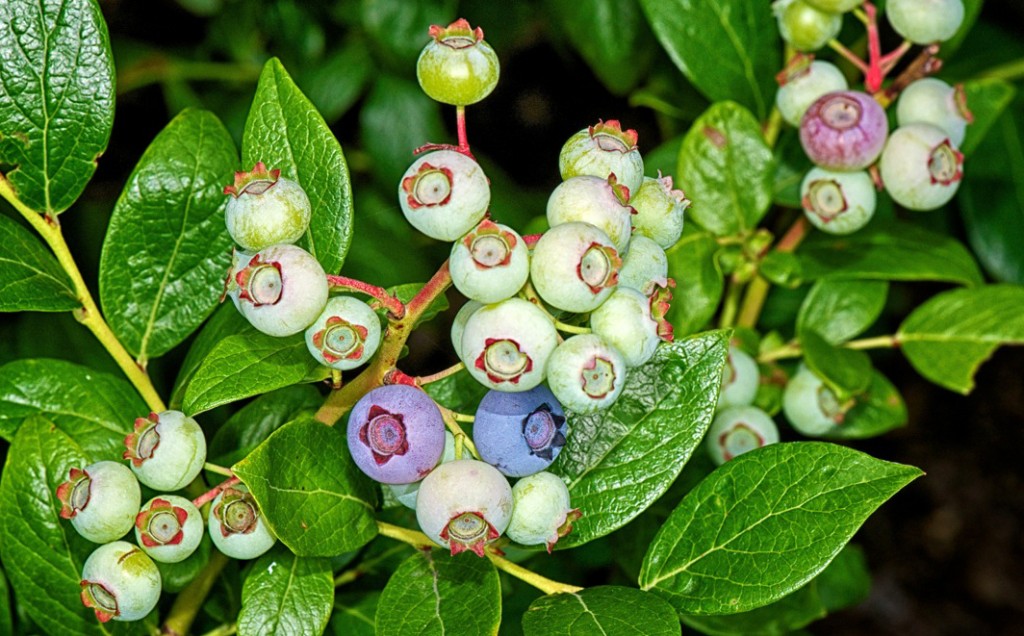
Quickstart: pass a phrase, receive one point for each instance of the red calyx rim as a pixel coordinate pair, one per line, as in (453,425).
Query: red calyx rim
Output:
(477,543)
(103,614)
(136,443)
(613,128)
(67,491)
(676,194)
(564,528)
(485,228)
(255,181)
(234,496)
(157,507)
(459,29)
(661,298)
(356,352)
(799,66)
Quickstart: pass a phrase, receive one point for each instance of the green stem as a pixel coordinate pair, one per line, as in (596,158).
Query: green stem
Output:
(188,602)
(793,350)
(451,421)
(757,292)
(1011,71)
(731,305)
(561,326)
(160,69)
(88,314)
(440,375)
(227,629)
(220,470)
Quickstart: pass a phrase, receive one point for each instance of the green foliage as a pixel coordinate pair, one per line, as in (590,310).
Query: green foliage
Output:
(611,610)
(846,371)
(839,310)
(693,264)
(286,594)
(33,280)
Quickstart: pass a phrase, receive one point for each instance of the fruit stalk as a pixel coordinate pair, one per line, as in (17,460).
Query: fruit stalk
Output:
(342,283)
(794,350)
(188,602)
(211,494)
(753,302)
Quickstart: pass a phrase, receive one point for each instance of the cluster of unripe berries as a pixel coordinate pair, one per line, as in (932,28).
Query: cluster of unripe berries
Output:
(103,501)
(845,132)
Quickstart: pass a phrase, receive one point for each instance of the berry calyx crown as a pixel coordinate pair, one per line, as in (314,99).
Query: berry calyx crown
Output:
(624,140)
(563,528)
(255,181)
(469,531)
(98,598)
(673,193)
(661,299)
(236,512)
(620,190)
(489,245)
(144,441)
(161,524)
(73,494)
(340,339)
(798,67)
(457,35)
(960,99)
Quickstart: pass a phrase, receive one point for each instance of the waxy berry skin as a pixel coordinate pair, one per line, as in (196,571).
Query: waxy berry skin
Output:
(625,322)
(586,373)
(660,209)
(506,345)
(844,130)
(810,406)
(804,26)
(519,433)
(459,325)
(396,434)
(265,209)
(280,290)
(541,512)
(802,85)
(601,150)
(406,493)
(464,505)
(740,379)
(444,194)
(101,500)
(458,66)
(490,263)
(925,21)
(574,267)
(737,430)
(169,528)
(120,582)
(166,451)
(920,167)
(345,335)
(838,202)
(236,525)
(932,101)
(644,267)
(599,202)
(835,6)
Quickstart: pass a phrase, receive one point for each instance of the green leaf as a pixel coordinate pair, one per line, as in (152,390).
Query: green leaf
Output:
(729,49)
(287,595)
(42,553)
(167,249)
(310,492)
(286,132)
(334,83)
(846,581)
(727,169)
(876,411)
(699,282)
(986,99)
(784,616)
(94,409)
(611,35)
(400,29)
(764,524)
(792,165)
(406,292)
(610,610)
(782,268)
(619,461)
(6,616)
(34,281)
(255,421)
(839,310)
(234,361)
(846,371)
(433,592)
(459,392)
(353,614)
(948,337)
(888,251)
(56,98)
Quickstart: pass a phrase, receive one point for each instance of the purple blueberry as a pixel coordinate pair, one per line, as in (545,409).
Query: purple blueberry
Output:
(844,130)
(396,434)
(519,433)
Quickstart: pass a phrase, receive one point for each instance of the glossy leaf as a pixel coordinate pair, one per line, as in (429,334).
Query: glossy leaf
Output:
(286,132)
(609,610)
(948,337)
(784,616)
(353,614)
(764,524)
(56,98)
(693,264)
(433,593)
(986,99)
(6,616)
(727,169)
(167,250)
(876,411)
(94,409)
(33,280)
(846,371)
(888,251)
(255,421)
(619,461)
(406,292)
(286,595)
(311,494)
(839,310)
(729,49)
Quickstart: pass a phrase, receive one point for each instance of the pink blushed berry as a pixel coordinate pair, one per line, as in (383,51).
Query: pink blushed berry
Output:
(844,130)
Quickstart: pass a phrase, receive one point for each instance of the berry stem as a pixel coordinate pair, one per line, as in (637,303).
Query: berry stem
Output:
(850,56)
(451,420)
(188,602)
(794,350)
(394,306)
(220,470)
(923,65)
(460,122)
(413,537)
(440,375)
(732,301)
(561,326)
(88,314)
(227,629)
(757,292)
(211,494)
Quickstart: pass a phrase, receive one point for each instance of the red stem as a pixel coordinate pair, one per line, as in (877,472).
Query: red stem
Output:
(850,56)
(794,235)
(211,494)
(392,304)
(460,121)
(873,77)
(440,375)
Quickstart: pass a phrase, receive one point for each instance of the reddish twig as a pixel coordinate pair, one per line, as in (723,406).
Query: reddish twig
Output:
(211,494)
(389,302)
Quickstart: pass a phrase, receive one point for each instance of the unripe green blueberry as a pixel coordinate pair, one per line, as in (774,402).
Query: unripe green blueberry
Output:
(625,322)
(506,345)
(169,528)
(280,290)
(599,202)
(932,101)
(457,67)
(659,211)
(167,450)
(602,150)
(644,267)
(459,325)
(406,493)
(464,505)
(801,84)
(541,512)
(805,27)
(920,167)
(574,267)
(737,430)
(835,6)
(489,264)
(810,406)
(265,209)
(444,194)
(740,379)
(586,373)
(236,524)
(925,21)
(838,202)
(120,582)
(345,335)
(101,500)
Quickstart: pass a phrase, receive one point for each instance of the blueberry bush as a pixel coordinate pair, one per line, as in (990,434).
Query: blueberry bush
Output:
(390,390)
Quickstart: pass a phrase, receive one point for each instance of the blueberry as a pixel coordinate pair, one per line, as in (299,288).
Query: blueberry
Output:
(265,209)
(600,150)
(506,345)
(802,82)
(626,323)
(844,130)
(489,264)
(167,450)
(345,335)
(169,528)
(804,26)
(236,525)
(925,21)
(920,167)
(738,430)
(659,211)
(519,433)
(602,203)
(444,194)
(810,406)
(464,505)
(644,266)
(541,512)
(740,379)
(932,101)
(838,202)
(280,290)
(120,582)
(574,267)
(458,66)
(586,373)
(101,500)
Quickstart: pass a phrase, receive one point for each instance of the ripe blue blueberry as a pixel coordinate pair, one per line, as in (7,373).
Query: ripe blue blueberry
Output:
(810,406)
(645,266)
(120,582)
(802,82)
(541,512)
(167,450)
(574,267)
(601,150)
(659,211)
(406,493)
(920,167)
(506,345)
(626,323)
(740,379)
(519,433)
(444,194)
(101,500)
(737,430)
(236,525)
(169,528)
(602,203)
(838,202)
(345,335)
(844,130)
(265,209)
(489,264)
(396,434)
(280,290)
(932,101)
(925,21)
(586,373)
(464,505)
